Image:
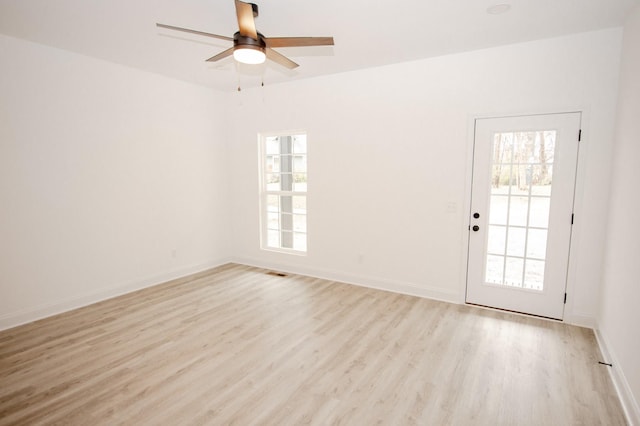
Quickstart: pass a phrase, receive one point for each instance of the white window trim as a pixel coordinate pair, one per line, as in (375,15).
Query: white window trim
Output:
(262,136)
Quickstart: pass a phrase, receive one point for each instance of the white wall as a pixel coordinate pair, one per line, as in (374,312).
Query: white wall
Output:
(619,319)
(389,156)
(110,179)
(105,170)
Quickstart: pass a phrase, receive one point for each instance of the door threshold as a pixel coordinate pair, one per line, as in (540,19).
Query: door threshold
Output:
(524,314)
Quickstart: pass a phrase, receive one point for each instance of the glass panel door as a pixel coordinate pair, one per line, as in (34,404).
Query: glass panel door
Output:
(521,209)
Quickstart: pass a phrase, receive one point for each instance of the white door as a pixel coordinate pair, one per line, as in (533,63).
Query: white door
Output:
(522,211)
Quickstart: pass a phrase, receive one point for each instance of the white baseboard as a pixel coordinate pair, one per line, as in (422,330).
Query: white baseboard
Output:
(580,320)
(629,403)
(14,319)
(410,289)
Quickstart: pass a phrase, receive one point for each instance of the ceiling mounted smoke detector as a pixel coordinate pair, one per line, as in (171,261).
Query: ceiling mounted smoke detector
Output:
(498,9)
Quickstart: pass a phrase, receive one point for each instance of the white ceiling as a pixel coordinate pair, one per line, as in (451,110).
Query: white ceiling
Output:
(367,33)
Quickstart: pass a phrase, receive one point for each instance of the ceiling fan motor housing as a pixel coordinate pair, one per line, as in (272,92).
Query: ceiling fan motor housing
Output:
(249,43)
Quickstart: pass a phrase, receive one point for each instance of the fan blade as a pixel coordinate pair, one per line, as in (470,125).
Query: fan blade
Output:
(280,59)
(221,55)
(186,30)
(298,41)
(246,23)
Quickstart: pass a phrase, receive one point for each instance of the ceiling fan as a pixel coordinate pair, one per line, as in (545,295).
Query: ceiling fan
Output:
(251,47)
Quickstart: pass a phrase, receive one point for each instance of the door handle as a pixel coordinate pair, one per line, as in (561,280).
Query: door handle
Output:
(475,228)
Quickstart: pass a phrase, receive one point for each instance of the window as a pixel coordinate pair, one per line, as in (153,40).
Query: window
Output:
(284,192)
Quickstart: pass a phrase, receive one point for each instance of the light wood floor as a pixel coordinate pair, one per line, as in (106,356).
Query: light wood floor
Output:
(238,346)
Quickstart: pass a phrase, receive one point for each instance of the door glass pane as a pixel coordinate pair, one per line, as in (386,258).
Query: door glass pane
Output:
(534,275)
(537,243)
(521,181)
(495,269)
(518,210)
(516,241)
(497,235)
(542,180)
(540,212)
(498,210)
(513,271)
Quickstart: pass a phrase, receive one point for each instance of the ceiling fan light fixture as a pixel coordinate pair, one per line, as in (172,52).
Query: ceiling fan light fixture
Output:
(251,55)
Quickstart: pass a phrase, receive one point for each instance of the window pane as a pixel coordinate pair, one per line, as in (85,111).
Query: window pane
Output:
(285,144)
(300,241)
(273,238)
(273,182)
(286,222)
(285,164)
(273,221)
(286,239)
(300,182)
(300,223)
(273,204)
(286,184)
(300,204)
(300,163)
(286,203)
(300,144)
(273,164)
(272,145)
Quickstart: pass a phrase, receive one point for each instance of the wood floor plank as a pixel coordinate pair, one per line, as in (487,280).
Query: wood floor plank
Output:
(235,345)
